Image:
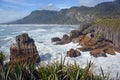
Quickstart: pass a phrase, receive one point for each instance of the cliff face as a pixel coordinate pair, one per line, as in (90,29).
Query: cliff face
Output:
(108,29)
(108,33)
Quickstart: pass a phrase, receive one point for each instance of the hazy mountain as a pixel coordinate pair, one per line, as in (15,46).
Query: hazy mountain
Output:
(73,15)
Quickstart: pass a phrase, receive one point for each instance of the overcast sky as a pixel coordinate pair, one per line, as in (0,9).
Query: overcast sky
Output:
(15,9)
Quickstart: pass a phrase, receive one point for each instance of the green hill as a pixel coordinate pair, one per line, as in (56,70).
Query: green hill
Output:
(73,15)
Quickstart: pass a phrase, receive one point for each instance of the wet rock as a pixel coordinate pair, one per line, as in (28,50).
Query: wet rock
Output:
(87,48)
(66,39)
(55,39)
(98,53)
(78,39)
(24,50)
(75,33)
(73,53)
(85,40)
(110,51)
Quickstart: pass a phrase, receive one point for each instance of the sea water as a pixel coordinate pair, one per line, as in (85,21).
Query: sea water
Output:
(49,52)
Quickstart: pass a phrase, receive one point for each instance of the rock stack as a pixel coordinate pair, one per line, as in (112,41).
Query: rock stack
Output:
(24,50)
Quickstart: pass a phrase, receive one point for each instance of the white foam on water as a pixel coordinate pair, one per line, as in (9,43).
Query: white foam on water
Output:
(31,31)
(51,53)
(38,30)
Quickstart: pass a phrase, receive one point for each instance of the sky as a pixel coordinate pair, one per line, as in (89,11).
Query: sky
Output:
(11,10)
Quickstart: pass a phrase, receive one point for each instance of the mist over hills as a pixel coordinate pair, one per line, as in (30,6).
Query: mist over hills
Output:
(73,15)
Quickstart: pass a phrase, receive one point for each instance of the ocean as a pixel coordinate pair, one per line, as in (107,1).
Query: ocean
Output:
(49,52)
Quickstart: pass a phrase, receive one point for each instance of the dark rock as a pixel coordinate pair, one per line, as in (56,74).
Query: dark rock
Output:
(75,33)
(66,39)
(73,53)
(87,48)
(24,50)
(55,39)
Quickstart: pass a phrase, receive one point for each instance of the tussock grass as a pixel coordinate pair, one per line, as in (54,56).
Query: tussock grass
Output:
(52,71)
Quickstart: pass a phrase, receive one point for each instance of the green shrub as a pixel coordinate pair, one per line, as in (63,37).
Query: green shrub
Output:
(113,23)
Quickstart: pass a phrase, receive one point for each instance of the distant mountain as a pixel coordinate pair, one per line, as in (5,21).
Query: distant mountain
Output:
(73,15)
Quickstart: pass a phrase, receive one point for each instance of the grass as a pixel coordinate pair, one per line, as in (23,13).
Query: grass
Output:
(2,57)
(51,71)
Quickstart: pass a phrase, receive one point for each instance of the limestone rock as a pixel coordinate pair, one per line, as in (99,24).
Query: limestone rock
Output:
(73,53)
(24,50)
(55,39)
(98,53)
(75,33)
(66,39)
(110,51)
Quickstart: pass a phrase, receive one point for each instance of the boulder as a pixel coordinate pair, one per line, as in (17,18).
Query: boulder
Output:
(98,53)
(110,51)
(55,39)
(66,39)
(24,50)
(73,53)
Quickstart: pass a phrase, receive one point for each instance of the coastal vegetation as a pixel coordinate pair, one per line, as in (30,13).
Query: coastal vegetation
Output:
(113,23)
(50,71)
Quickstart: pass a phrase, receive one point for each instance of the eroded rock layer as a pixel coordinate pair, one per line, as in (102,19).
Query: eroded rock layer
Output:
(24,50)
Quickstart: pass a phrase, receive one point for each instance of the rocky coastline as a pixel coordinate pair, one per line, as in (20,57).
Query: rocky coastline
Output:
(91,39)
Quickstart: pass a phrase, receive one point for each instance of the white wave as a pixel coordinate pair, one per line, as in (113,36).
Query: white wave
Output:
(38,30)
(8,38)
(36,25)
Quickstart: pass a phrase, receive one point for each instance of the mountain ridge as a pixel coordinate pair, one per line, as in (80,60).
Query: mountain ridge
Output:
(73,15)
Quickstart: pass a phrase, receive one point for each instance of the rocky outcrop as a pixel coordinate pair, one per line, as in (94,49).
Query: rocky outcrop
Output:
(109,34)
(64,40)
(98,53)
(97,48)
(75,33)
(24,50)
(92,40)
(73,53)
(55,39)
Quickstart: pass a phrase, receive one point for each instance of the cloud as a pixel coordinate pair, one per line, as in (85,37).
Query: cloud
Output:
(91,2)
(49,6)
(19,2)
(11,15)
